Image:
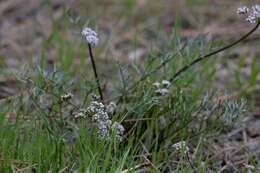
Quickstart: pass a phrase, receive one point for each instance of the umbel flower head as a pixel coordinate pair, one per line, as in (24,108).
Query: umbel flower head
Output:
(243,10)
(253,13)
(162,89)
(101,116)
(66,97)
(90,36)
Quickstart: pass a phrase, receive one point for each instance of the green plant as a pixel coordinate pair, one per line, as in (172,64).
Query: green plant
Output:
(55,130)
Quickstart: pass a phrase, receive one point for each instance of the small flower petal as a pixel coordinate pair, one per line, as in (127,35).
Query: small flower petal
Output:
(166,83)
(242,10)
(157,85)
(90,36)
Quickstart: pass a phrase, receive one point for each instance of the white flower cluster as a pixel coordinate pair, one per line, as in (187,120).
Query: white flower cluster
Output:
(243,10)
(95,106)
(90,36)
(162,89)
(118,129)
(82,113)
(100,116)
(181,146)
(66,97)
(111,108)
(253,13)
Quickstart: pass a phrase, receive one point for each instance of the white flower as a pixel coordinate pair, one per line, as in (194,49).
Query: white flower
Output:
(102,120)
(253,13)
(81,114)
(157,85)
(119,130)
(256,10)
(100,116)
(90,36)
(111,108)
(118,127)
(103,129)
(251,19)
(243,10)
(162,92)
(166,83)
(181,146)
(66,96)
(94,97)
(162,89)
(95,107)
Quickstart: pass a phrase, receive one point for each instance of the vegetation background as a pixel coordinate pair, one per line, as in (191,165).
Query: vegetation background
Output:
(46,33)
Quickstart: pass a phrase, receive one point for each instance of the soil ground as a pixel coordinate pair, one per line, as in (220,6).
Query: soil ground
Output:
(24,28)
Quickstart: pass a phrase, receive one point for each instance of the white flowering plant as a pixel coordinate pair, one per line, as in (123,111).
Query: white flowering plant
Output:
(156,115)
(253,13)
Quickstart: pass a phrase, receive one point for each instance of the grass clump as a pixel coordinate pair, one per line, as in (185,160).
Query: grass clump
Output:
(157,117)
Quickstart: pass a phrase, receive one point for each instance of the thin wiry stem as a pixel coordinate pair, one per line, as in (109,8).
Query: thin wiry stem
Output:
(145,76)
(186,67)
(95,72)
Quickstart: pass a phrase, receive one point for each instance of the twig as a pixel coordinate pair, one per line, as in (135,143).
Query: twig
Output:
(95,72)
(185,68)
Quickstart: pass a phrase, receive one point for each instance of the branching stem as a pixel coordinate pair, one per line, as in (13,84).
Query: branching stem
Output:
(186,67)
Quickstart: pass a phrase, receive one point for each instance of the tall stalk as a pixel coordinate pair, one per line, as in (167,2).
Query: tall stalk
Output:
(196,61)
(95,72)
